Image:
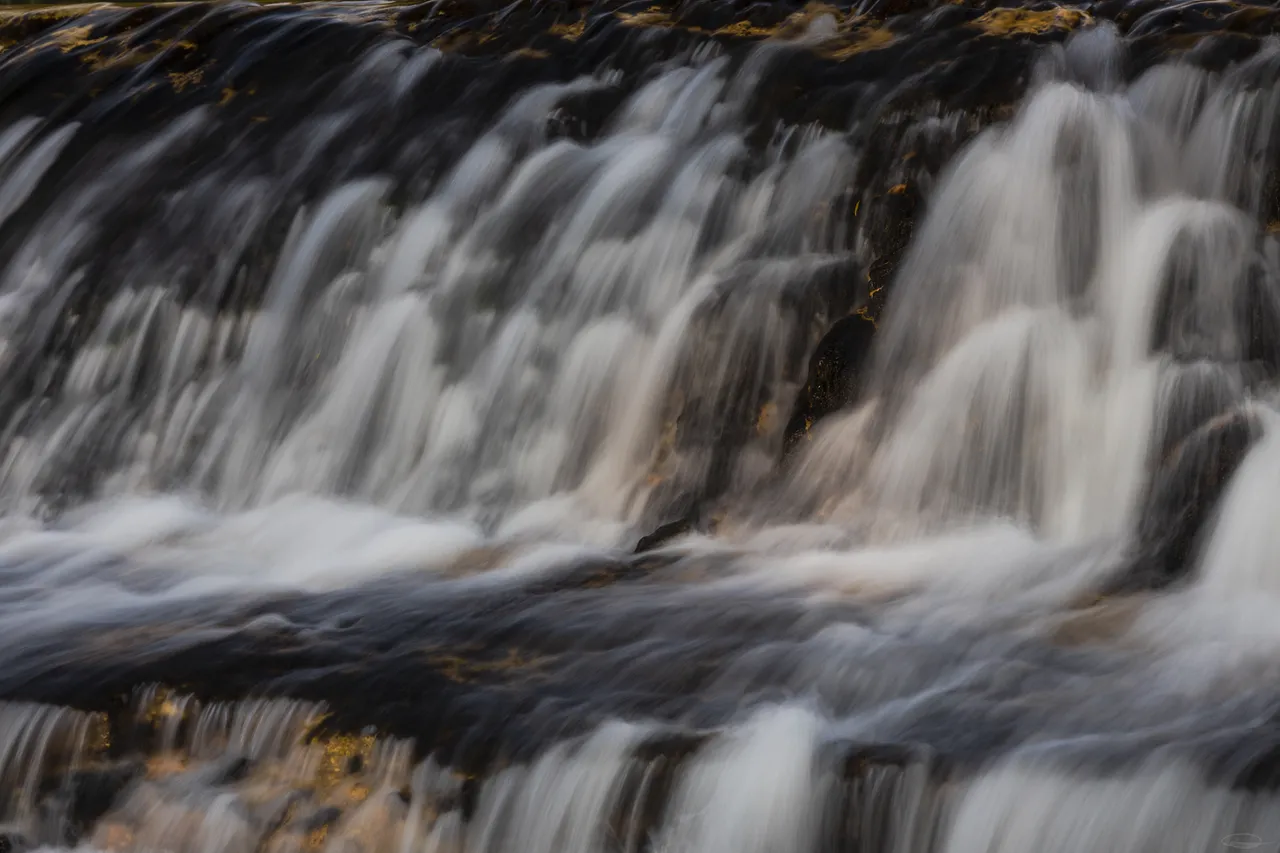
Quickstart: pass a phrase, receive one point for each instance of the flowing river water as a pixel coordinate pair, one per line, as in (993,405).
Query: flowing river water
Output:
(323,540)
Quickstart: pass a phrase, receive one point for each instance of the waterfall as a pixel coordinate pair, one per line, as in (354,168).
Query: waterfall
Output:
(629,428)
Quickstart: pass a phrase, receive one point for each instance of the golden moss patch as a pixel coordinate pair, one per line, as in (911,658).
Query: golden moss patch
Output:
(461,40)
(857,41)
(46,14)
(316,838)
(1002,22)
(654,16)
(113,836)
(528,53)
(98,740)
(569,32)
(71,38)
(462,670)
(765,421)
(744,29)
(181,80)
(119,55)
(165,764)
(338,752)
(798,23)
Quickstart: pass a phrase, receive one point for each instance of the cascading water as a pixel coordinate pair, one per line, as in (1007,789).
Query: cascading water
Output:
(330,424)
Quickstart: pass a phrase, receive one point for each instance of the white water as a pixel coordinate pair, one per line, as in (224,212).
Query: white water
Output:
(491,384)
(766,786)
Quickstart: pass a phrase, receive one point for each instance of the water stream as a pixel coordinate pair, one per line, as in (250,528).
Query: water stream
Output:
(399,438)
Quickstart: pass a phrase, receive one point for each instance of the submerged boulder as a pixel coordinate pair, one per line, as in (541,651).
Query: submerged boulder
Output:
(13,841)
(92,792)
(666,532)
(1181,499)
(834,379)
(876,786)
(1191,396)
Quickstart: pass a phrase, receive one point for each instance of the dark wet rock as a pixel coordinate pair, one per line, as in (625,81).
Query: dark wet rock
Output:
(1183,18)
(467,798)
(583,115)
(675,746)
(873,809)
(1261,309)
(649,783)
(856,759)
(1190,326)
(1249,762)
(91,793)
(319,819)
(13,841)
(834,373)
(1180,501)
(276,813)
(601,572)
(1221,50)
(726,403)
(1259,772)
(227,770)
(664,533)
(1192,396)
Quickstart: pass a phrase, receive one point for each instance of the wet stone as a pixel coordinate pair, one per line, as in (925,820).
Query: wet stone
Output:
(872,808)
(856,759)
(1194,395)
(1184,490)
(834,372)
(92,793)
(319,819)
(225,771)
(664,533)
(13,841)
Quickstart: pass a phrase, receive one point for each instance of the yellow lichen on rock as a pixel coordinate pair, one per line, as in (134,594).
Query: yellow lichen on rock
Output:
(165,764)
(569,32)
(798,24)
(858,41)
(527,53)
(744,29)
(461,670)
(339,750)
(126,56)
(1002,22)
(98,740)
(654,16)
(795,26)
(461,40)
(113,837)
(42,14)
(181,80)
(765,421)
(71,38)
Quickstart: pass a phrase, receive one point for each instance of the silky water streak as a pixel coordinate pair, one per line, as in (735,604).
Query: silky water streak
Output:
(407,452)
